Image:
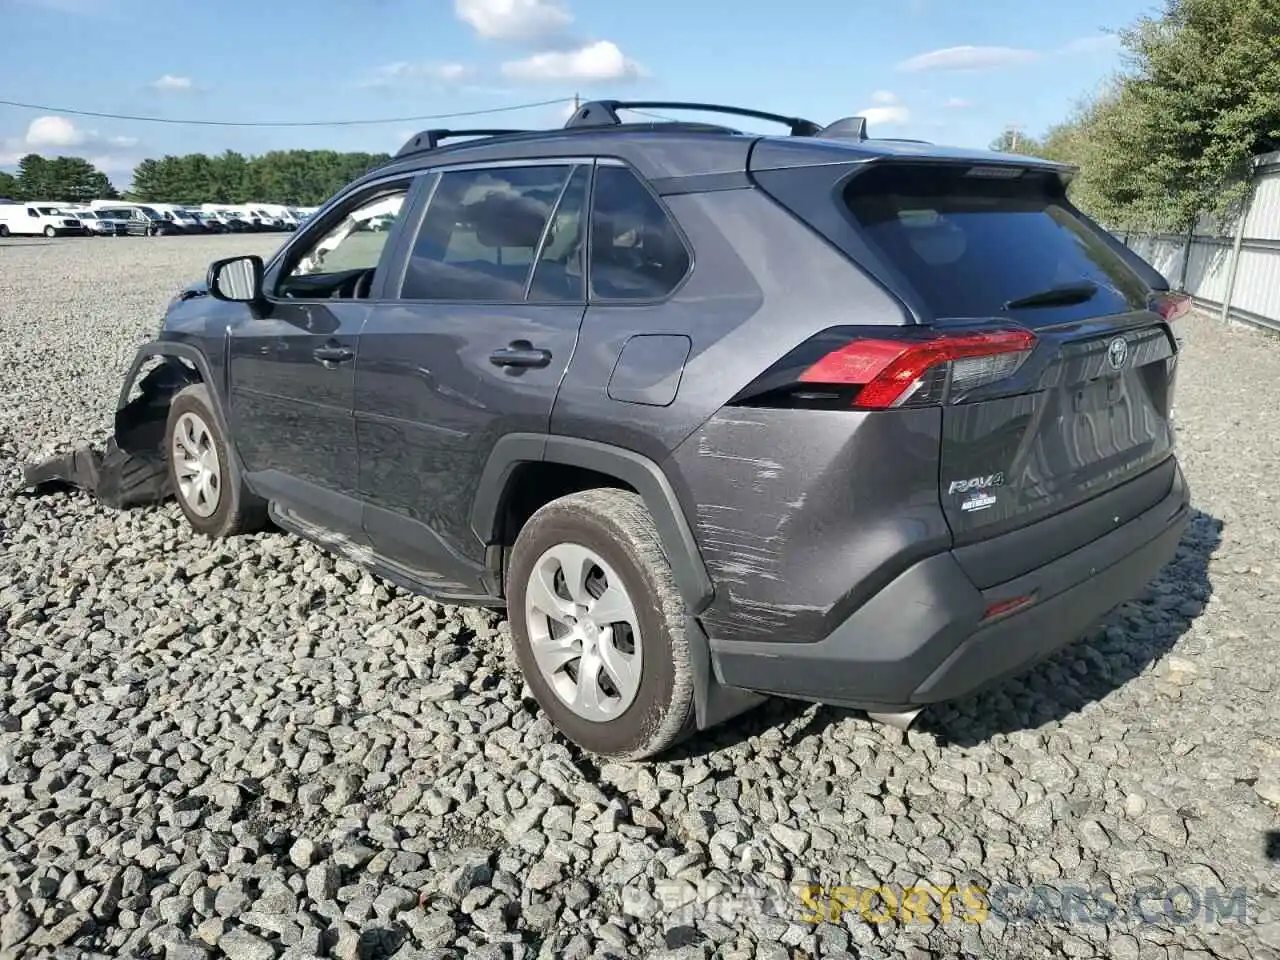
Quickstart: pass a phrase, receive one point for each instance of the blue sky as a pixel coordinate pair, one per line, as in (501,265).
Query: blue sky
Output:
(949,72)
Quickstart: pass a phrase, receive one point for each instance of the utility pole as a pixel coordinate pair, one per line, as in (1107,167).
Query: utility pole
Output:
(576,102)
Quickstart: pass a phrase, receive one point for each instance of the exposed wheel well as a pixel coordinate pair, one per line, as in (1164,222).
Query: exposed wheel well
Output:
(532,485)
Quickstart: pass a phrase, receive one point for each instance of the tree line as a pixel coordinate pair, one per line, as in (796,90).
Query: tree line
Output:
(1171,136)
(64,179)
(295,177)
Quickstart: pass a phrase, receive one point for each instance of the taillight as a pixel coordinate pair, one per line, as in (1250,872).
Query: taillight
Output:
(878,369)
(890,373)
(1171,306)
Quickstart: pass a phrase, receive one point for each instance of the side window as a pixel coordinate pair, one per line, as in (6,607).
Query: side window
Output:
(31,212)
(560,273)
(354,243)
(481,232)
(636,253)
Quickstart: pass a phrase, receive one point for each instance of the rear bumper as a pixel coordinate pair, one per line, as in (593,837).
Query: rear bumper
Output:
(924,639)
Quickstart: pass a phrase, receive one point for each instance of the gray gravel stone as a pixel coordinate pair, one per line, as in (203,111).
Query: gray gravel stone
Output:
(241,945)
(188,729)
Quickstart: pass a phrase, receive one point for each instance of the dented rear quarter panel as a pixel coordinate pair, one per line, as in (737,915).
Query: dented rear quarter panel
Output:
(801,515)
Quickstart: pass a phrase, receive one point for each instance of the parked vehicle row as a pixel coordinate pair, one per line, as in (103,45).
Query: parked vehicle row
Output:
(117,218)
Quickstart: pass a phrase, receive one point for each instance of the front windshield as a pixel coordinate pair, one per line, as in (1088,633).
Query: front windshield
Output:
(86,215)
(50,211)
(149,213)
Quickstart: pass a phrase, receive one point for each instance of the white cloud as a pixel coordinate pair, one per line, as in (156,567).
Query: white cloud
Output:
(885,116)
(59,136)
(959,103)
(54,132)
(408,72)
(884,96)
(601,60)
(171,84)
(968,58)
(521,21)
(1098,43)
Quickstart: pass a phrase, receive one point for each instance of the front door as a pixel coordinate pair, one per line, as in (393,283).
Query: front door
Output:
(472,346)
(293,362)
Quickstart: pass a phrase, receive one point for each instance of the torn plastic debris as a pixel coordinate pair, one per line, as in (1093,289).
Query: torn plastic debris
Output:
(131,471)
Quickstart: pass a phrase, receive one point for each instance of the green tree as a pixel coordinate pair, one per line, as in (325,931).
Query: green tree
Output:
(10,189)
(146,183)
(34,179)
(66,179)
(302,177)
(1199,98)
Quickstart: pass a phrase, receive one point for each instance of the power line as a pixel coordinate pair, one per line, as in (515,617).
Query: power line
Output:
(285,123)
(652,116)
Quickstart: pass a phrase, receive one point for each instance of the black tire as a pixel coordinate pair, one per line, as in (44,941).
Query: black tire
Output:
(4,229)
(615,525)
(238,510)
(50,232)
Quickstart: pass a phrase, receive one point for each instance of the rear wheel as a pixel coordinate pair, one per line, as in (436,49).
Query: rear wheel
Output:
(599,625)
(4,230)
(212,497)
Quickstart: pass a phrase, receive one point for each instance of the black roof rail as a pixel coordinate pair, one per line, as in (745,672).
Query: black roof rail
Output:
(604,113)
(430,139)
(846,128)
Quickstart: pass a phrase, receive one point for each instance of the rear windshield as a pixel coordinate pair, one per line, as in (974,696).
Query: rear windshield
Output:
(967,245)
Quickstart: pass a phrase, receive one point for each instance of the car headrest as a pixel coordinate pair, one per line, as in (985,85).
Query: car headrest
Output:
(507,220)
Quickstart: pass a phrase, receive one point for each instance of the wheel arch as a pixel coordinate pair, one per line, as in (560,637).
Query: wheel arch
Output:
(629,468)
(174,354)
(713,701)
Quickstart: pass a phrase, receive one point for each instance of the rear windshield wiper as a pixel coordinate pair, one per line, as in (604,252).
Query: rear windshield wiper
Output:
(1061,295)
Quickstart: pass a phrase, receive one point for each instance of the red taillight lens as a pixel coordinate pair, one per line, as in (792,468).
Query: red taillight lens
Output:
(1173,305)
(1002,607)
(888,373)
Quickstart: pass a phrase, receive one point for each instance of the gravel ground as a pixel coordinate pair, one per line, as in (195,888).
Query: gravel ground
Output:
(250,749)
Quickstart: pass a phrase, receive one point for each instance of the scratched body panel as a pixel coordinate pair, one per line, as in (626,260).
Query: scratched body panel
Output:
(791,508)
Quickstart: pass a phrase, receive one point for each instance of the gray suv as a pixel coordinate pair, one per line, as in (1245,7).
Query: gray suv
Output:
(714,415)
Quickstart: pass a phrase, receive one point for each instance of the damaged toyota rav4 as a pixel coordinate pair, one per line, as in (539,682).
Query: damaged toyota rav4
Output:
(715,415)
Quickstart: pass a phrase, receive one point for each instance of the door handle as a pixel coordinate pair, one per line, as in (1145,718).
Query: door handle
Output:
(332,354)
(520,353)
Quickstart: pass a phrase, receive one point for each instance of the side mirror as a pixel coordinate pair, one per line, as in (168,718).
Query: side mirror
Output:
(237,279)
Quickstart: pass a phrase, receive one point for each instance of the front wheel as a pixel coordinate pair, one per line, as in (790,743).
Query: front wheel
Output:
(204,481)
(50,232)
(599,625)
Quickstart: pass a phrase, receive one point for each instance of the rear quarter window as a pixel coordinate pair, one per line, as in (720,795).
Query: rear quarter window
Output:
(967,245)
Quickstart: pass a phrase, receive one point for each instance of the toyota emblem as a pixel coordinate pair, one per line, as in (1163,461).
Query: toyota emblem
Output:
(1117,352)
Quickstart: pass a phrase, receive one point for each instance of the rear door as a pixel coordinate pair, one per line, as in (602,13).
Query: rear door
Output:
(1087,410)
(471,345)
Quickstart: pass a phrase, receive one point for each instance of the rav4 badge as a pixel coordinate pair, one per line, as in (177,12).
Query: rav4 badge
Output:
(976,483)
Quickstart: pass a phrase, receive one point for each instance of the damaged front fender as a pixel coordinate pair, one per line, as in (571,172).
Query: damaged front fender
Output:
(131,470)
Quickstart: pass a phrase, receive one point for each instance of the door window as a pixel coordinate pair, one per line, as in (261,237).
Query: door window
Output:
(560,273)
(481,234)
(636,251)
(340,260)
